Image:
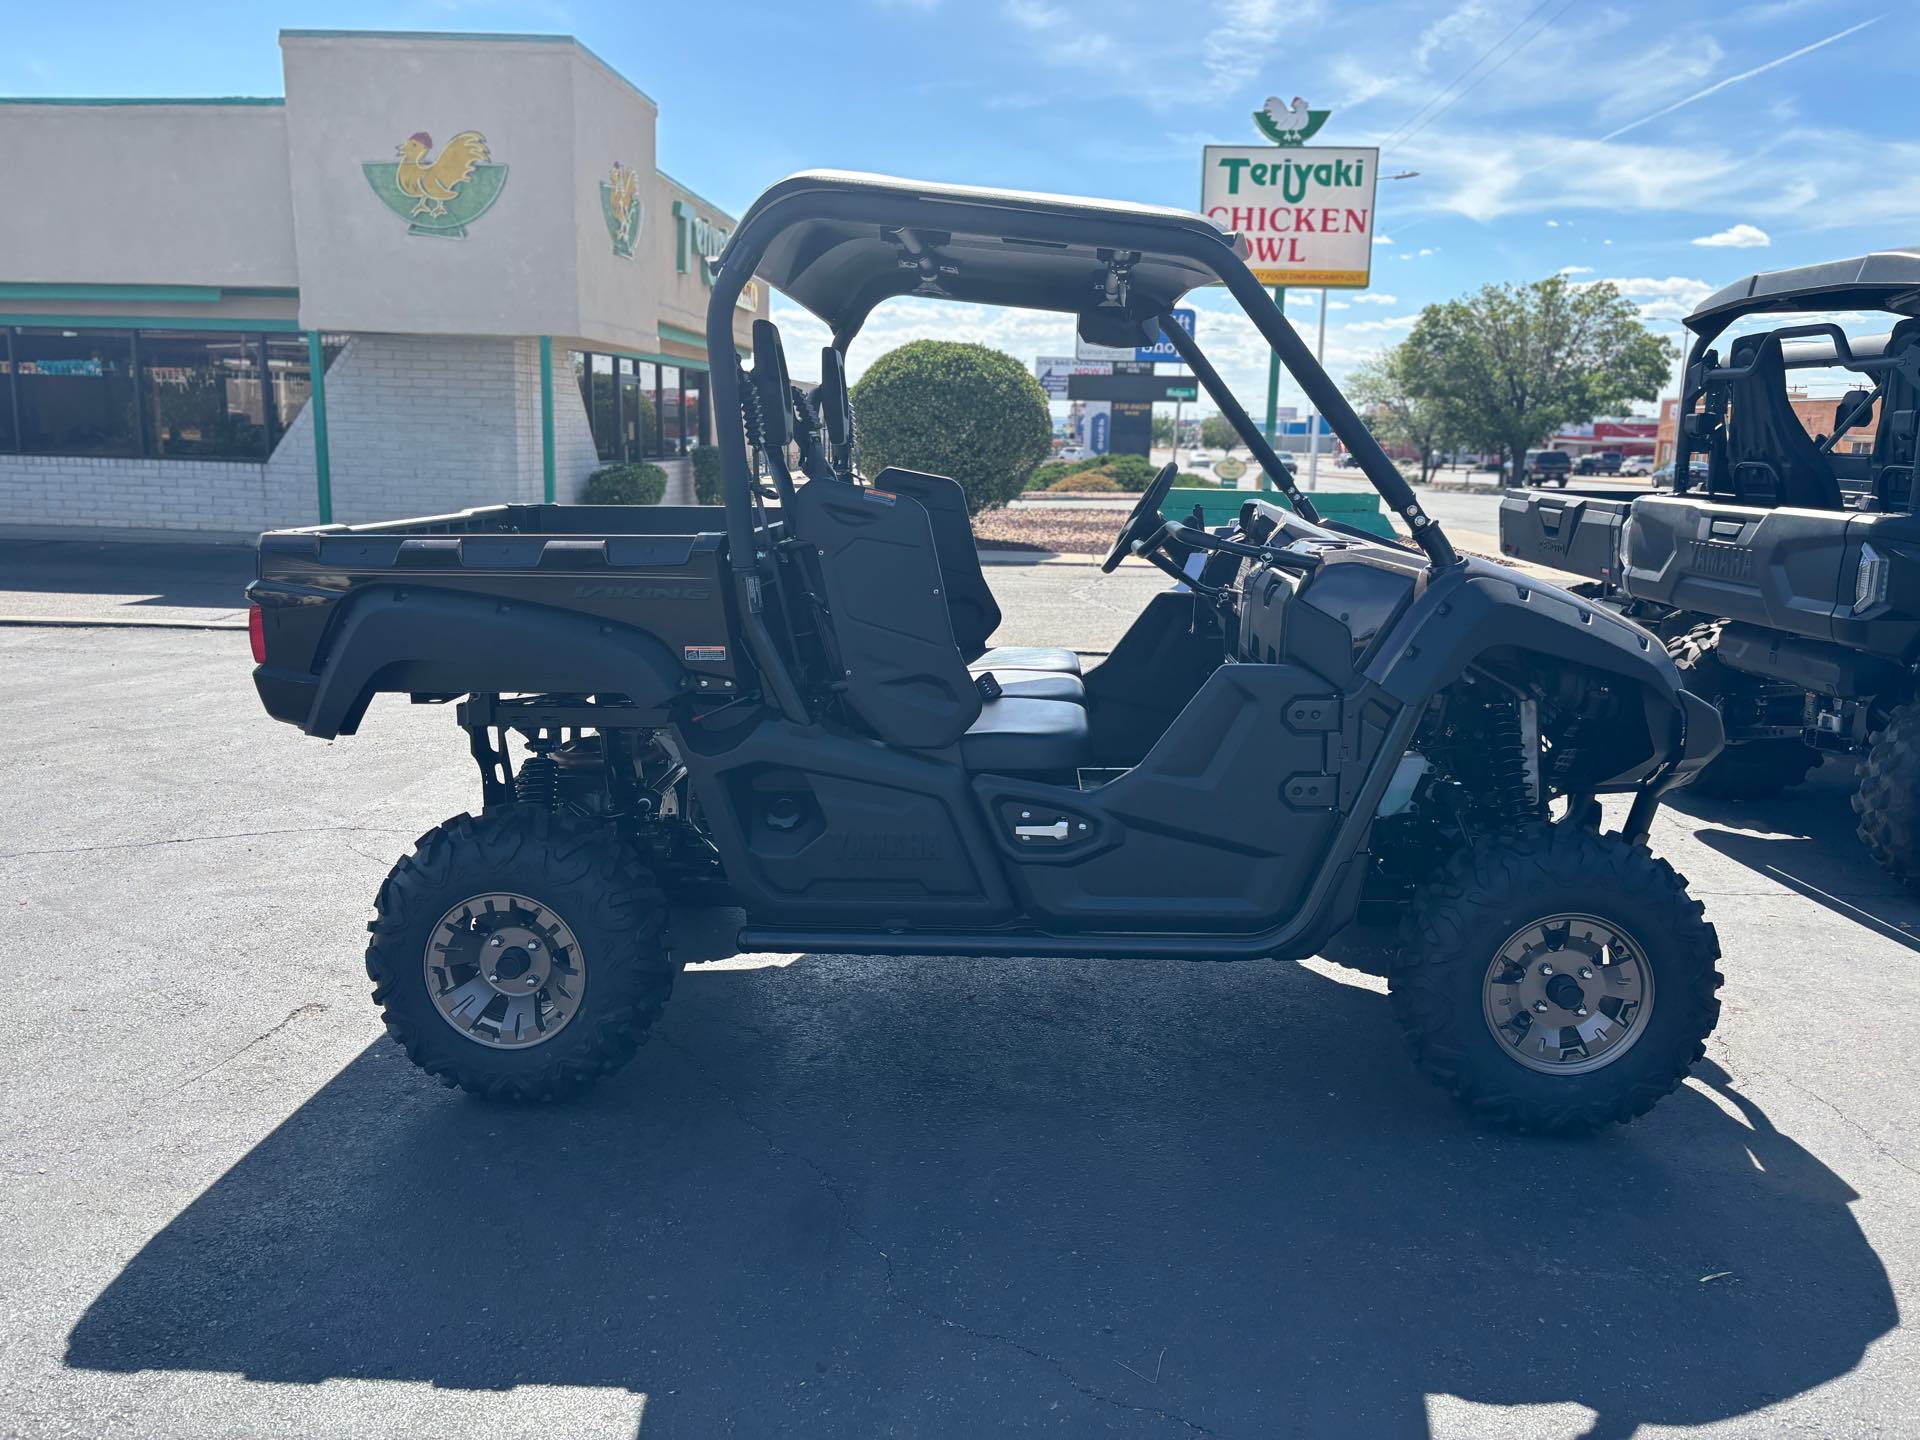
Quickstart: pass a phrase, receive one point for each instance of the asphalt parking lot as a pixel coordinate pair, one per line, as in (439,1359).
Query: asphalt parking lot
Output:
(843,1196)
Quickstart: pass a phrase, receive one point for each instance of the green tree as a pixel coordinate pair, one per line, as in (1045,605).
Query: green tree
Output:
(954,409)
(1513,363)
(1162,429)
(1216,433)
(1391,391)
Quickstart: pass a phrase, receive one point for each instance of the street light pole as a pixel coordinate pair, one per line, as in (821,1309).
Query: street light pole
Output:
(1313,425)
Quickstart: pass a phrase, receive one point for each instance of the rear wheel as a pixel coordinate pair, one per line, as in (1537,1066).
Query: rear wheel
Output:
(520,955)
(1887,804)
(1555,980)
(1747,769)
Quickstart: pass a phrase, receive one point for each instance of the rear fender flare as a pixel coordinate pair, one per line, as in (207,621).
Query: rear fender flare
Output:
(396,639)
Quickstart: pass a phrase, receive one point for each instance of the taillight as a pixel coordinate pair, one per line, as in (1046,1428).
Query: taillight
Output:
(257,634)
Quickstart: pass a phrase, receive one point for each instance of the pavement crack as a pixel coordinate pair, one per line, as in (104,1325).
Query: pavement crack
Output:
(200,839)
(310,1008)
(826,1181)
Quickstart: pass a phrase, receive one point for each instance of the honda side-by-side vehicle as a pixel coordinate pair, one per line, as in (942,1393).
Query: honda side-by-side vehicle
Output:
(1784,572)
(791,704)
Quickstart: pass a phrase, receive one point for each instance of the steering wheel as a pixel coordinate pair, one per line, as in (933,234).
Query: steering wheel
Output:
(1144,520)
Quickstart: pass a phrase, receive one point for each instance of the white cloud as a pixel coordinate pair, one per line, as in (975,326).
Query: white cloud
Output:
(1383,240)
(1553,224)
(1338,305)
(1393,322)
(1374,297)
(1243,32)
(1576,270)
(1427,251)
(1035,14)
(1736,237)
(1720,85)
(1668,299)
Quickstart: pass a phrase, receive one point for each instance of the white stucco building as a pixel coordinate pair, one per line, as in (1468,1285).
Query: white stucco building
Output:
(466,235)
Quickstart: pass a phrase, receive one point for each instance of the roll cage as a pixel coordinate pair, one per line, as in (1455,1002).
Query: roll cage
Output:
(840,243)
(1755,366)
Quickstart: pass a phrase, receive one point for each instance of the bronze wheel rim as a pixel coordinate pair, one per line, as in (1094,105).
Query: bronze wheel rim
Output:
(504,970)
(1568,994)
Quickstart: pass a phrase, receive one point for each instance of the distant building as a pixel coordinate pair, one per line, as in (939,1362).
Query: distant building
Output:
(1815,413)
(458,249)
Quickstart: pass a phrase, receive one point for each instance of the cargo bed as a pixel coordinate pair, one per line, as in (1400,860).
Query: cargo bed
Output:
(505,598)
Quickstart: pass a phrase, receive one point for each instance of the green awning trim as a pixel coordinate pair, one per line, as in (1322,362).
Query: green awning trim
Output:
(150,322)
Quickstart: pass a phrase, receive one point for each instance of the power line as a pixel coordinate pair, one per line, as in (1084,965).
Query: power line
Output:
(1477,63)
(1545,25)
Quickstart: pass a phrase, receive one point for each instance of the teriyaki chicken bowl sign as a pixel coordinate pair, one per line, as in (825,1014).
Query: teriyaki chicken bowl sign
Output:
(1307,213)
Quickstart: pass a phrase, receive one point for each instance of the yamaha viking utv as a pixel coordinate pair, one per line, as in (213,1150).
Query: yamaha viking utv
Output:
(1788,587)
(791,705)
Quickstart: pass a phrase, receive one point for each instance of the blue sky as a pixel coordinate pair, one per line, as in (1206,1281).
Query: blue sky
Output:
(1668,146)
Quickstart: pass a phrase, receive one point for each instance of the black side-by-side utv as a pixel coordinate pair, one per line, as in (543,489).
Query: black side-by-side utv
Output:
(1786,583)
(791,705)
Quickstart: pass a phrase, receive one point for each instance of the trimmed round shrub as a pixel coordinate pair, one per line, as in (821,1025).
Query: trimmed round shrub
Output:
(954,409)
(706,474)
(1049,471)
(626,485)
(1129,472)
(1069,484)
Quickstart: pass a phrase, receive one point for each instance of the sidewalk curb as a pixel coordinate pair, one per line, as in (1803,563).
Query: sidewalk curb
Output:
(106,622)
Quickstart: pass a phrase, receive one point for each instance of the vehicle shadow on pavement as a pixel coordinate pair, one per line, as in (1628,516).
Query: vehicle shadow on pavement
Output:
(938,1197)
(1804,839)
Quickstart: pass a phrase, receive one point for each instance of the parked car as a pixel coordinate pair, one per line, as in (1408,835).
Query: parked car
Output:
(1601,462)
(1546,467)
(1636,465)
(796,710)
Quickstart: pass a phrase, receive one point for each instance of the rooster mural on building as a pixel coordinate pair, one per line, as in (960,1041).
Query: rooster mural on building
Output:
(431,183)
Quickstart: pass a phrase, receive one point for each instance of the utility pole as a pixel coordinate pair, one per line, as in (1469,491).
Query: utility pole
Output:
(1273,368)
(1313,425)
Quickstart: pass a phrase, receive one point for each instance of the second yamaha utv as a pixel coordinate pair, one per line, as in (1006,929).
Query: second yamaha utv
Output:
(791,705)
(1787,580)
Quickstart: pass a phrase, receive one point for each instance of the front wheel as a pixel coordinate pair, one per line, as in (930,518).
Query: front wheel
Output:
(519,955)
(1555,980)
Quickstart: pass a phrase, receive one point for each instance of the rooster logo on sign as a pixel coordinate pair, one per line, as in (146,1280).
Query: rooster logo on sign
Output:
(1291,124)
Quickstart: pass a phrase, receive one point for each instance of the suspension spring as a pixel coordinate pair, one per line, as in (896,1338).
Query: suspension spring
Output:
(538,782)
(1510,777)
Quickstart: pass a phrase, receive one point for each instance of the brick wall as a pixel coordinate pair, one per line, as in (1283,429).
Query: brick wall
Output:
(416,425)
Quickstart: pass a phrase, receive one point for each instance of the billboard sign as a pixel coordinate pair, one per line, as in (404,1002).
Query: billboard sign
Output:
(1150,388)
(1307,213)
(1053,371)
(1143,354)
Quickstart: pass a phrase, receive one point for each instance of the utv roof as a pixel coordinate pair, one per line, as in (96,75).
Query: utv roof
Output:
(841,242)
(1884,280)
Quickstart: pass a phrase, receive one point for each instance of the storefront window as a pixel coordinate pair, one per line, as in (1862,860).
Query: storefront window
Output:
(674,429)
(288,368)
(202,396)
(640,410)
(600,403)
(164,394)
(75,392)
(9,433)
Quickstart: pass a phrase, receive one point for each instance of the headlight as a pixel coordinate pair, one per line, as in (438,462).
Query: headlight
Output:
(1870,581)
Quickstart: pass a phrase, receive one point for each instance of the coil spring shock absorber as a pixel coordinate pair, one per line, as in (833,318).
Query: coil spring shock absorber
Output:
(538,782)
(1510,775)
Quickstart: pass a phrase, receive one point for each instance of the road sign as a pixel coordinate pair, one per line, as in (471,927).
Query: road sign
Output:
(1307,214)
(1150,388)
(1144,353)
(1229,468)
